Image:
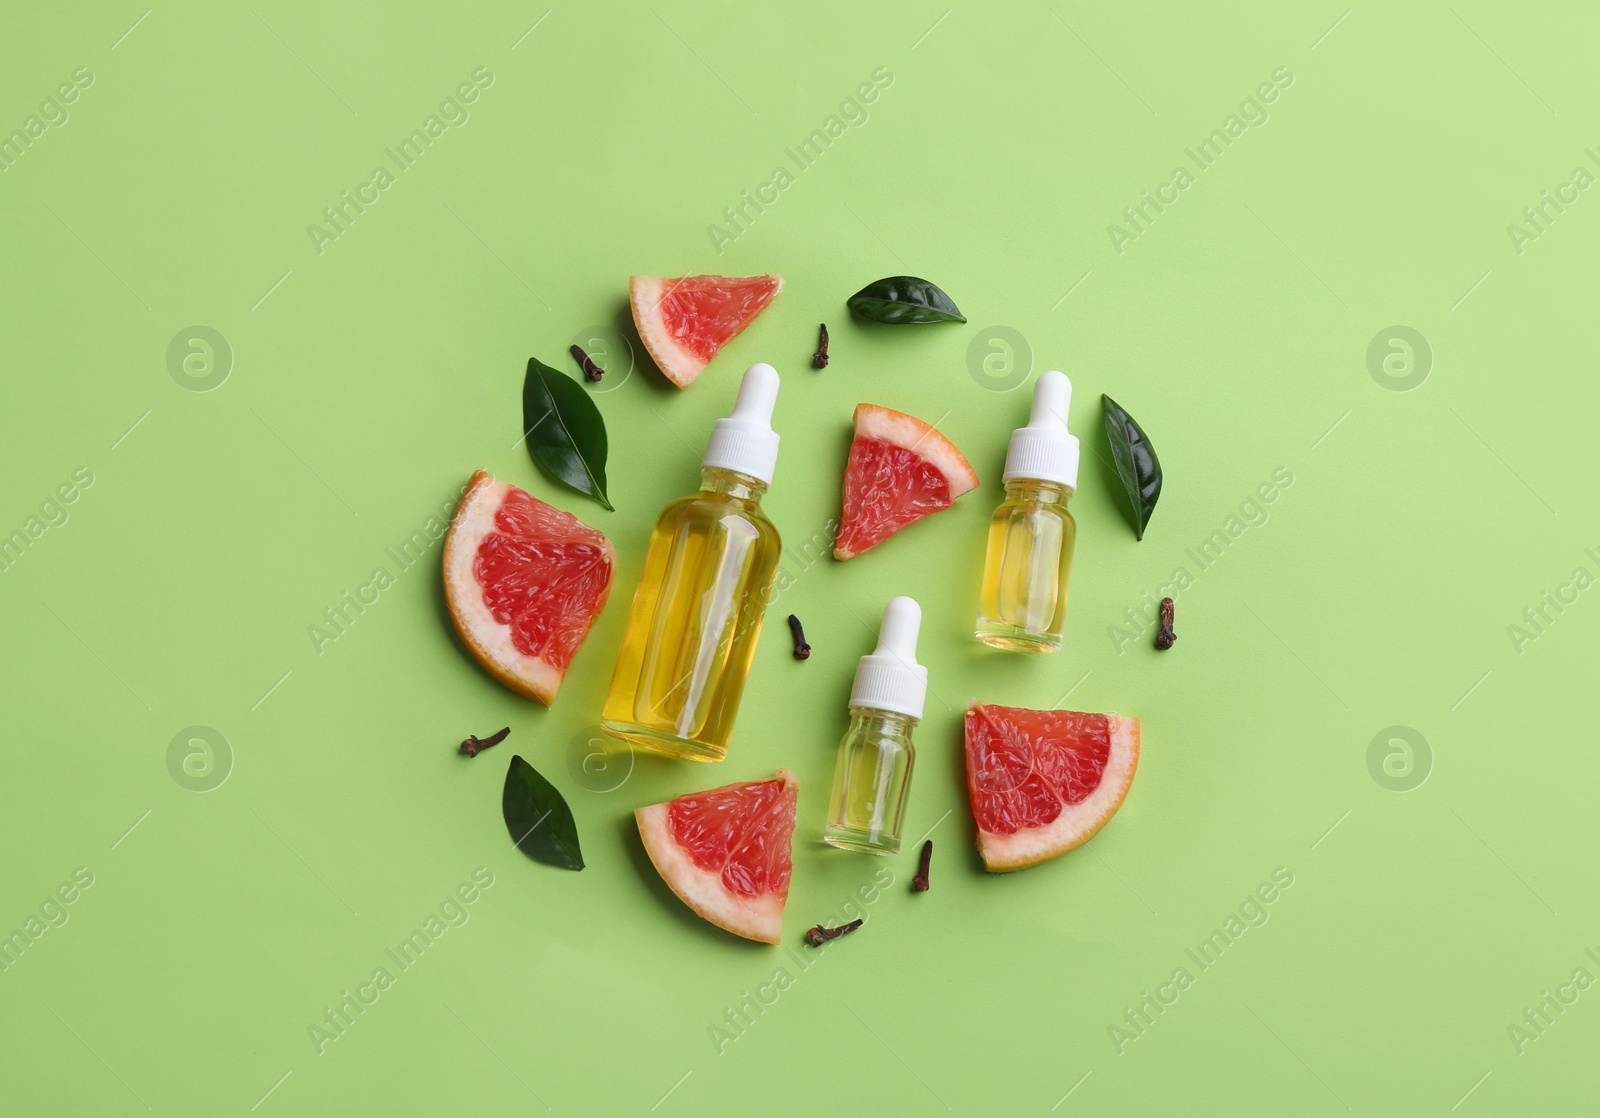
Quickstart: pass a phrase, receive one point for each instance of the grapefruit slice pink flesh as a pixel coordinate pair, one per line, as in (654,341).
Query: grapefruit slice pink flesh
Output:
(523,582)
(900,470)
(725,852)
(684,322)
(1042,782)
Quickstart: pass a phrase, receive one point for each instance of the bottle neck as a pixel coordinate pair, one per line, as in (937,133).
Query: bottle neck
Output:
(1036,489)
(886,723)
(731,483)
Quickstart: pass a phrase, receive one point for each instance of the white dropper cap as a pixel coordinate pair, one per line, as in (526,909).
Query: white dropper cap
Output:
(890,678)
(745,441)
(1044,449)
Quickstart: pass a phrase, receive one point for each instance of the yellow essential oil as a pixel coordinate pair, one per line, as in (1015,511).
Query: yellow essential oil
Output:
(695,620)
(870,782)
(1022,604)
(872,779)
(698,609)
(1028,568)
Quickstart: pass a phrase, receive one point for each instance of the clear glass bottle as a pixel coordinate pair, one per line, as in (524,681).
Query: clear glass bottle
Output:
(1022,605)
(1028,568)
(872,779)
(703,593)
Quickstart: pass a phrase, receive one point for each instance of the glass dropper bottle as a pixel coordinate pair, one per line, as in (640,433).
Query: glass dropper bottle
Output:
(873,776)
(1022,605)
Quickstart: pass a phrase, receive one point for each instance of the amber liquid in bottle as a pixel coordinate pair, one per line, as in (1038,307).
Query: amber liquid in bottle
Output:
(695,620)
(1023,603)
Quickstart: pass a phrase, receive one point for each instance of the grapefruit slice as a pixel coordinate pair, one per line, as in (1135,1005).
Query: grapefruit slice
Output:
(900,470)
(1044,781)
(684,322)
(726,852)
(523,581)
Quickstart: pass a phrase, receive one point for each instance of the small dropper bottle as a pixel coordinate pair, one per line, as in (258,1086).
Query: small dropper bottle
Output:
(873,775)
(1023,603)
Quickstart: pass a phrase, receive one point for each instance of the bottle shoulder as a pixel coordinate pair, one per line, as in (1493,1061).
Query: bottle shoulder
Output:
(1023,505)
(717,509)
(881,728)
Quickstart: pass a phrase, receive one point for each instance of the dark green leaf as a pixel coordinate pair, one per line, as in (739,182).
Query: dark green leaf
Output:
(1136,462)
(565,433)
(904,300)
(538,818)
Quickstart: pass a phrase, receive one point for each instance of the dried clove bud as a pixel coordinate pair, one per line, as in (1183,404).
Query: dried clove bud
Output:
(475,745)
(819,935)
(919,884)
(819,359)
(802,650)
(1165,636)
(591,371)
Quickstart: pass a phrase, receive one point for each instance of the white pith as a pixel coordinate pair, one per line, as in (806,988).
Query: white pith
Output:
(680,366)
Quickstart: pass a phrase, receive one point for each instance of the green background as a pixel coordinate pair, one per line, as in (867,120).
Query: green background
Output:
(369,380)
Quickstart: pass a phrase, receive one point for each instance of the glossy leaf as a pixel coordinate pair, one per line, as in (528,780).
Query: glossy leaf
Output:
(538,818)
(1136,462)
(565,433)
(904,300)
